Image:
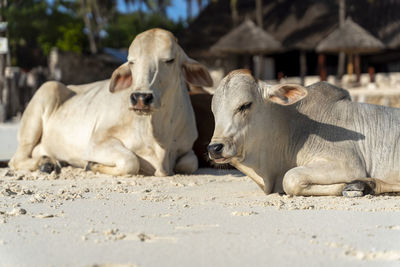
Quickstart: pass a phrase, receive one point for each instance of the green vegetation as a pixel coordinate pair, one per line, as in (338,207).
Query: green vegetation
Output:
(81,26)
(123,29)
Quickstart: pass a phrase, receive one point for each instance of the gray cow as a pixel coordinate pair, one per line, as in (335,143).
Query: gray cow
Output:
(306,141)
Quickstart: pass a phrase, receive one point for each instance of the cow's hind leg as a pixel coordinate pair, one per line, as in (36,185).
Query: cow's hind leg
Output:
(112,157)
(322,178)
(366,186)
(46,100)
(188,163)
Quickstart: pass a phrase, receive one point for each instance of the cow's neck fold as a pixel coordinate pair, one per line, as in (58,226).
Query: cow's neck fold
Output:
(173,111)
(269,156)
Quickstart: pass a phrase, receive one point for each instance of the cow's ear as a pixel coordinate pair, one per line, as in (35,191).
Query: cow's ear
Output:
(282,94)
(121,78)
(196,73)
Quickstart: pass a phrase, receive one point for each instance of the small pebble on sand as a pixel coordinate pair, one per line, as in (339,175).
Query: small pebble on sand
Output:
(17,211)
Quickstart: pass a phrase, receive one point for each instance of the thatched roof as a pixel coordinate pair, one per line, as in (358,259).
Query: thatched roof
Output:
(296,24)
(247,38)
(351,38)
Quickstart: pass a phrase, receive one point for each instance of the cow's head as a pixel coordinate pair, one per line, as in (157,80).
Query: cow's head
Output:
(240,106)
(157,68)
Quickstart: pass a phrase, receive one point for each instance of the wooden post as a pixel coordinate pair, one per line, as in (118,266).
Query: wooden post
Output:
(350,66)
(4,91)
(12,77)
(321,67)
(357,67)
(281,75)
(303,66)
(371,72)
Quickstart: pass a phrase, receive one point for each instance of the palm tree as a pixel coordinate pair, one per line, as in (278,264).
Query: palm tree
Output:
(234,12)
(259,19)
(259,16)
(189,9)
(159,6)
(341,58)
(95,16)
(86,14)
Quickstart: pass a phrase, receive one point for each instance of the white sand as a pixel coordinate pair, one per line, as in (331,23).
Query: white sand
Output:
(8,139)
(213,218)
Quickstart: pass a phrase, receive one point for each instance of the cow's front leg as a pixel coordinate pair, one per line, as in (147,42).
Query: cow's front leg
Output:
(264,183)
(187,163)
(111,157)
(163,163)
(322,178)
(48,165)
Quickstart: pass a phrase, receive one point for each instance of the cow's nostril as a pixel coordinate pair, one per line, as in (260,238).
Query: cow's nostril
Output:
(133,99)
(215,148)
(148,99)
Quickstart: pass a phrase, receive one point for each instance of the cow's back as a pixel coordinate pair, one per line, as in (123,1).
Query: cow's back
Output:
(381,146)
(69,129)
(362,135)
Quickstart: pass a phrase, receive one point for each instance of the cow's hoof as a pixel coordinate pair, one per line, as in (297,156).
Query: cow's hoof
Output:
(62,164)
(47,167)
(89,166)
(358,188)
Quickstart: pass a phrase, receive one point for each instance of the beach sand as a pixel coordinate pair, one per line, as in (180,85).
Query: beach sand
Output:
(212,218)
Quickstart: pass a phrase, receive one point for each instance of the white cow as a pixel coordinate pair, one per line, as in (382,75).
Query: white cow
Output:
(306,141)
(139,120)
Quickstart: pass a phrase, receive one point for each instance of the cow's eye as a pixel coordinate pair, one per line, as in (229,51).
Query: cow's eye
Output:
(130,63)
(170,61)
(244,107)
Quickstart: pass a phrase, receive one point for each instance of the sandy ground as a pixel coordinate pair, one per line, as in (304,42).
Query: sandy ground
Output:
(212,218)
(8,139)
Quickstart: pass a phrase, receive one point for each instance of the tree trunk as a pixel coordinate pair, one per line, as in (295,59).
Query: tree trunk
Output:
(342,56)
(85,13)
(141,16)
(259,15)
(98,21)
(234,12)
(200,5)
(260,61)
(342,12)
(189,9)
(162,7)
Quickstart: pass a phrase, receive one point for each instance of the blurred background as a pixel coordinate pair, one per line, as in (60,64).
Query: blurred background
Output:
(351,43)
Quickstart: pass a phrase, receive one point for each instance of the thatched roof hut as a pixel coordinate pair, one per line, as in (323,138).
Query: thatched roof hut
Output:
(296,24)
(351,38)
(300,26)
(247,38)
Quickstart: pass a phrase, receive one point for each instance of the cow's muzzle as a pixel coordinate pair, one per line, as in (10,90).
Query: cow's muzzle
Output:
(215,152)
(141,102)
